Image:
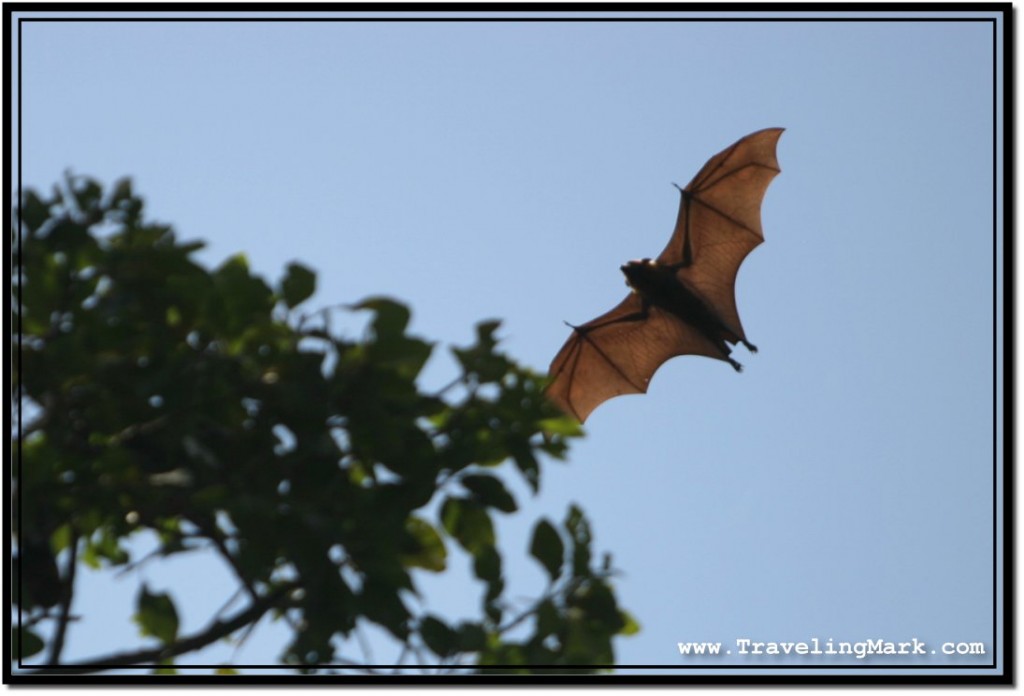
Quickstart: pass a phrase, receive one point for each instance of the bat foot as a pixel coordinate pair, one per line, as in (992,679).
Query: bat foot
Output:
(750,346)
(735,365)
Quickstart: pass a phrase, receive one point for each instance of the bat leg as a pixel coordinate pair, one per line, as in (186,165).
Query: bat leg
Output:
(726,354)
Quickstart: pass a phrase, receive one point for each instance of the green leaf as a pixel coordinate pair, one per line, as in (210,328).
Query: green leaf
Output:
(485,332)
(87,193)
(629,624)
(61,538)
(489,491)
(156,616)
(298,285)
(487,567)
(441,639)
(584,645)
(548,548)
(481,359)
(566,426)
(122,191)
(527,465)
(469,523)
(391,348)
(579,531)
(382,604)
(28,645)
(104,546)
(245,300)
(68,236)
(33,211)
(494,613)
(430,553)
(598,602)
(549,620)
(471,637)
(391,317)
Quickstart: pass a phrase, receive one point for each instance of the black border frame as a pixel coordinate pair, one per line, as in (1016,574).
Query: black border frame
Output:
(1003,74)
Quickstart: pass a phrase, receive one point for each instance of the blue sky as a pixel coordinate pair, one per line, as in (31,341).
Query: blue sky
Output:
(841,487)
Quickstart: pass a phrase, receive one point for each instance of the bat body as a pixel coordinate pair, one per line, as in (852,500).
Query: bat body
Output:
(683,302)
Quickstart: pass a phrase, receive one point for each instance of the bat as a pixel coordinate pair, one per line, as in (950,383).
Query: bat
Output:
(683,302)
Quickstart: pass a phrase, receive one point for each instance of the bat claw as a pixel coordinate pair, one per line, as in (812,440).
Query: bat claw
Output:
(735,365)
(750,346)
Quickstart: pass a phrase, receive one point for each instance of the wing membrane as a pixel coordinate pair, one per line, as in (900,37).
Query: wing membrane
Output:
(618,353)
(720,219)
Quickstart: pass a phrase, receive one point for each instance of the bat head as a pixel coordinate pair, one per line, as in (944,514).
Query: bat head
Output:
(636,271)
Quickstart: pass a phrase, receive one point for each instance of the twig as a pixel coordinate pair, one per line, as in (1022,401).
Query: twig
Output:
(451,385)
(216,631)
(554,592)
(215,536)
(136,429)
(156,553)
(57,646)
(352,664)
(401,656)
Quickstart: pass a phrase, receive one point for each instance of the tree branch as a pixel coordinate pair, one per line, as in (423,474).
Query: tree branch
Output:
(554,591)
(216,536)
(57,646)
(216,631)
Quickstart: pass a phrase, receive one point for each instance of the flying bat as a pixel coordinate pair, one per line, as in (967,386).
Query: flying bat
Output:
(683,302)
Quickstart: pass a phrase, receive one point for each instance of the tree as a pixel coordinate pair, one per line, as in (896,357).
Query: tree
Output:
(203,406)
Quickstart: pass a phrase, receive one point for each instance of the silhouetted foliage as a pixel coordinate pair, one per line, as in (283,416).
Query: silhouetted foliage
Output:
(203,406)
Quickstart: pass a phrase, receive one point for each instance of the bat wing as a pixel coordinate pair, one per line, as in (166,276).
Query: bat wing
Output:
(719,221)
(618,353)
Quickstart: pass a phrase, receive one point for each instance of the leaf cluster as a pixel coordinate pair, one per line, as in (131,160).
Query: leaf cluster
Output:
(205,407)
